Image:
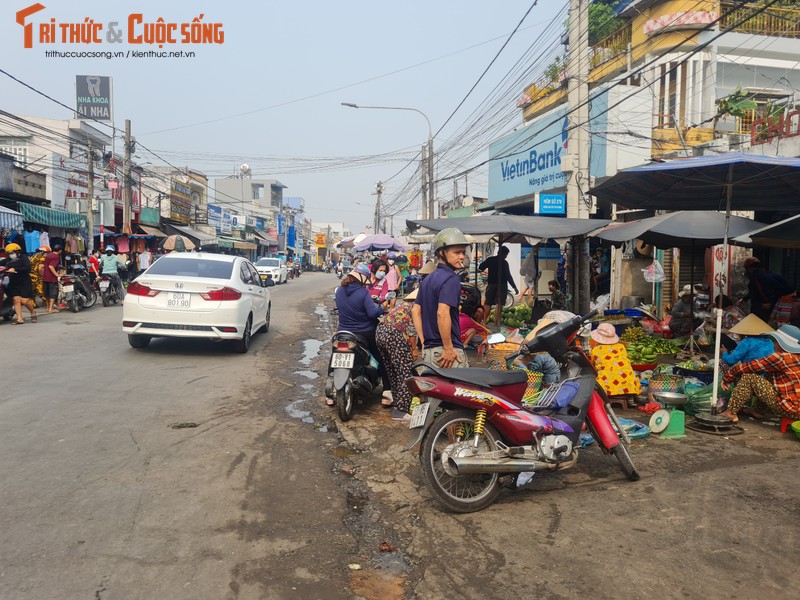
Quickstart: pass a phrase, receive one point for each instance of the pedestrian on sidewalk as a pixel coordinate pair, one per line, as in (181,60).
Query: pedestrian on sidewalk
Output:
(20,289)
(499,278)
(397,343)
(50,277)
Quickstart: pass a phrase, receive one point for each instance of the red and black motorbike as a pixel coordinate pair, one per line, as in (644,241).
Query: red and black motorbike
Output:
(473,429)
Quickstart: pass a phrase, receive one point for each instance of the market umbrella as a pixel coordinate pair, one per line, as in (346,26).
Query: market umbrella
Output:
(783,234)
(177,242)
(724,181)
(351,241)
(379,241)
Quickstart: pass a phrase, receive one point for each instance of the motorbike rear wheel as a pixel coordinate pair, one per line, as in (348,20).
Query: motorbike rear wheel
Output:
(73,304)
(106,298)
(344,402)
(457,493)
(625,461)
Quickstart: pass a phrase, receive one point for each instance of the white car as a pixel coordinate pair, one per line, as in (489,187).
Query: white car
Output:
(197,295)
(272,268)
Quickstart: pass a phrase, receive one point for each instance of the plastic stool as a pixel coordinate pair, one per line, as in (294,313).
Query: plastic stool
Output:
(621,400)
(786,422)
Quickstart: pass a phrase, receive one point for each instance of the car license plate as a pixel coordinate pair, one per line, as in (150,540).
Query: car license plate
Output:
(418,416)
(343,360)
(104,285)
(179,300)
(68,289)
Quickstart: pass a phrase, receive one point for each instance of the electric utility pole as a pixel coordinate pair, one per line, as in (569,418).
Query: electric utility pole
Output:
(577,163)
(423,163)
(126,177)
(378,193)
(431,190)
(90,199)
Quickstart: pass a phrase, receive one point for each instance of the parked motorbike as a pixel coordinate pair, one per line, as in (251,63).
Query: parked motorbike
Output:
(473,428)
(78,292)
(353,372)
(108,291)
(6,303)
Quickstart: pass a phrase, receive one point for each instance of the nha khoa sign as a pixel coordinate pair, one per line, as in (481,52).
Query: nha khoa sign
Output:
(93,97)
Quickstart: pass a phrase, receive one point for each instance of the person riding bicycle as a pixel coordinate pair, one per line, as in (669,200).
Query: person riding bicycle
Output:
(109,265)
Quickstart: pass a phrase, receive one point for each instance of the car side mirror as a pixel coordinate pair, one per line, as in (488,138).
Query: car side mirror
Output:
(269,283)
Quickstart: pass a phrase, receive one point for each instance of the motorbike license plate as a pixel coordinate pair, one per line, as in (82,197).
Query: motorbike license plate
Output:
(179,300)
(418,416)
(104,285)
(68,289)
(343,360)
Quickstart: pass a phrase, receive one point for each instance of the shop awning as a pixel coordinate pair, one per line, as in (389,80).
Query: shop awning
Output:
(51,216)
(265,240)
(239,244)
(205,239)
(154,231)
(10,219)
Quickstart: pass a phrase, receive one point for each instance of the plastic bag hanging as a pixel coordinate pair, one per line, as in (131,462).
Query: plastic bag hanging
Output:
(654,272)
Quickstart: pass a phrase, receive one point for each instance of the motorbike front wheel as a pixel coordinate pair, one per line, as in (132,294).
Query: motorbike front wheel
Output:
(344,402)
(450,435)
(625,461)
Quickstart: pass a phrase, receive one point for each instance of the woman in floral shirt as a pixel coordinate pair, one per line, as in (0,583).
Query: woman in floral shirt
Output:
(397,342)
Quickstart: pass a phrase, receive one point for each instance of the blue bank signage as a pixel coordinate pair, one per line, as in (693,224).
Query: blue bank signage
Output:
(552,204)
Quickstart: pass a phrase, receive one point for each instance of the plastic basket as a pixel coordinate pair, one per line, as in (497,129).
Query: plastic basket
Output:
(663,382)
(534,378)
(498,352)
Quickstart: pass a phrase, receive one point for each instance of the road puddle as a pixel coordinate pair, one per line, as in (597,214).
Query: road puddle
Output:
(343,452)
(310,351)
(307,374)
(295,411)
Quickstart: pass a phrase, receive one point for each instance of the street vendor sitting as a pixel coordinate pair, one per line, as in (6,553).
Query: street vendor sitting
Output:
(614,372)
(753,344)
(680,322)
(779,391)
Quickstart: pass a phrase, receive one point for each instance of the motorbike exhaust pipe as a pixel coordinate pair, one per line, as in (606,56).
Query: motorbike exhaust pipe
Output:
(362,383)
(466,465)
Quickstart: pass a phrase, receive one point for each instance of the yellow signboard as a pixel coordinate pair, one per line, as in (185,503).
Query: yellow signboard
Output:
(321,240)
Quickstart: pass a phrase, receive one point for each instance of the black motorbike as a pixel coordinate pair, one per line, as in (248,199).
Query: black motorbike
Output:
(78,291)
(108,291)
(353,372)
(6,303)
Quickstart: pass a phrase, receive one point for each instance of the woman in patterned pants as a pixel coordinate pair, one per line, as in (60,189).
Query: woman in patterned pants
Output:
(397,342)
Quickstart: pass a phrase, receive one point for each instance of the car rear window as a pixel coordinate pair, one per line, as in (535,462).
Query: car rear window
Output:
(268,262)
(200,267)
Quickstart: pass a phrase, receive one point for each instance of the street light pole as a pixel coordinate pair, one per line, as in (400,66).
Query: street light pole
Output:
(430,187)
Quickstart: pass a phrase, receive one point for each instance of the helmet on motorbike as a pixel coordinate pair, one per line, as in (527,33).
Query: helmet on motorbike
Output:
(361,273)
(12,247)
(449,237)
(110,248)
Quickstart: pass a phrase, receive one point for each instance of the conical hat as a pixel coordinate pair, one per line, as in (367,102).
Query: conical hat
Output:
(751,325)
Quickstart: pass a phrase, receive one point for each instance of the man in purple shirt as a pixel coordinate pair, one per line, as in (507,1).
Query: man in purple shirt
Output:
(435,311)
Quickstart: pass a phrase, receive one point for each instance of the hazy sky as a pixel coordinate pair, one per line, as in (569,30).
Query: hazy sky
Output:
(290,65)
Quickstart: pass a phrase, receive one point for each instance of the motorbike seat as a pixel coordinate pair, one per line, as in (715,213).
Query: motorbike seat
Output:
(479,377)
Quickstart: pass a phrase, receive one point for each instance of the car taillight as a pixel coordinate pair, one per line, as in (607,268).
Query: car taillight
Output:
(226,293)
(137,289)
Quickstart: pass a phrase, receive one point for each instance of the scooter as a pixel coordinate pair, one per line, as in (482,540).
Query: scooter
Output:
(108,291)
(339,271)
(77,290)
(473,428)
(353,372)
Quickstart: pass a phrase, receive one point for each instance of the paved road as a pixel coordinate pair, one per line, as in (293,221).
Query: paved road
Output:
(102,498)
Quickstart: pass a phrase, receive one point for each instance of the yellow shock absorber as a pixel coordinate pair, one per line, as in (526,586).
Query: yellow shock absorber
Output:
(480,421)
(459,431)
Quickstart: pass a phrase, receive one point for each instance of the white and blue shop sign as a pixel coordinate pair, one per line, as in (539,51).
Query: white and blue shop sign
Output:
(530,160)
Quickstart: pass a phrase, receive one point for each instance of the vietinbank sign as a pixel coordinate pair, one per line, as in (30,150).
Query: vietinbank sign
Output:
(529,160)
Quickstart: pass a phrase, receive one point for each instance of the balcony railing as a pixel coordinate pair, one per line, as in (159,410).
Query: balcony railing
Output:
(775,22)
(609,47)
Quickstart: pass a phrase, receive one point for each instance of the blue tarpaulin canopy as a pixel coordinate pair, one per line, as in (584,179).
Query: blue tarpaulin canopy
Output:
(10,219)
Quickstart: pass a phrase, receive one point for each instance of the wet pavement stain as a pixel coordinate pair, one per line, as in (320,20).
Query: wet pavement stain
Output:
(311,349)
(297,413)
(307,374)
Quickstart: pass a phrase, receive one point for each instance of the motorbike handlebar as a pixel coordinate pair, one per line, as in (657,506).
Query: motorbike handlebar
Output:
(530,347)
